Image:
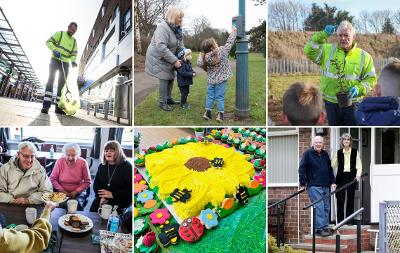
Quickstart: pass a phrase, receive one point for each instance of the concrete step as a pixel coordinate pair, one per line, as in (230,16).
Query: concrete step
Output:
(330,239)
(318,247)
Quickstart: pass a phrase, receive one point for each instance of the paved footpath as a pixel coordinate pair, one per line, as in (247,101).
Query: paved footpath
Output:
(14,112)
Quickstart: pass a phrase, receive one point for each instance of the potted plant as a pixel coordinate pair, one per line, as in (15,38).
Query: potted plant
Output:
(199,132)
(343,96)
(137,138)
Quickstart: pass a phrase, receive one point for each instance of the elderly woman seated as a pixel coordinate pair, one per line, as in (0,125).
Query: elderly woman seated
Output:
(71,174)
(32,240)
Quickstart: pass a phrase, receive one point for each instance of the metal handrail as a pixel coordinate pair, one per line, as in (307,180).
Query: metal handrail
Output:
(351,217)
(343,222)
(286,199)
(333,192)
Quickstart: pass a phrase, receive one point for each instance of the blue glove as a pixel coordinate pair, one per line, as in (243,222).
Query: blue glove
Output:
(330,29)
(74,64)
(353,92)
(56,54)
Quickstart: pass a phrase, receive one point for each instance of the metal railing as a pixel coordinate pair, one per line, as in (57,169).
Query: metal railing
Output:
(345,186)
(278,206)
(389,226)
(345,221)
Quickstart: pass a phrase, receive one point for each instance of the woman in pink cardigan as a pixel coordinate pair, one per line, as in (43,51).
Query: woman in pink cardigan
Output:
(71,174)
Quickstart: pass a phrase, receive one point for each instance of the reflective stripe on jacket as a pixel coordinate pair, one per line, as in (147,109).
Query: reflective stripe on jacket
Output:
(357,65)
(65,44)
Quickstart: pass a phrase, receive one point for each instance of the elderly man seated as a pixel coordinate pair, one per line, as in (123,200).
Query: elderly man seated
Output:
(23,180)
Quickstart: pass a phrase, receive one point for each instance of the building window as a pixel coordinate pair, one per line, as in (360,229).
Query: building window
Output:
(387,149)
(127,21)
(103,11)
(93,32)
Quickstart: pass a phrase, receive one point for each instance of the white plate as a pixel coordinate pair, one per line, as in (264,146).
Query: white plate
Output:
(69,228)
(46,197)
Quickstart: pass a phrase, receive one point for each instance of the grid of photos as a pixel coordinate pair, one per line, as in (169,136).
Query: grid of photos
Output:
(66,127)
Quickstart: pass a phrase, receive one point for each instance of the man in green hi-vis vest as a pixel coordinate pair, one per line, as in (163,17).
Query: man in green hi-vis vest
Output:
(64,49)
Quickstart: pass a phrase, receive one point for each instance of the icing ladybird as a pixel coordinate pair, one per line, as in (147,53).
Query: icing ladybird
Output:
(191,229)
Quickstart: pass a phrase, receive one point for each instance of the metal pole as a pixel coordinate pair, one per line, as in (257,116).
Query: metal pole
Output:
(358,235)
(337,243)
(313,228)
(278,228)
(242,74)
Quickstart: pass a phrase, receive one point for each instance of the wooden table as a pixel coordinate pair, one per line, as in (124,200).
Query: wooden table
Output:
(67,242)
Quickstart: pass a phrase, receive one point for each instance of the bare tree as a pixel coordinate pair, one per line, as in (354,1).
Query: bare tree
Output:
(377,19)
(361,23)
(396,19)
(199,24)
(287,15)
(138,39)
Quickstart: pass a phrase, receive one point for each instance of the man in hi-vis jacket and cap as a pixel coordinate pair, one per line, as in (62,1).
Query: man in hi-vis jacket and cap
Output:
(64,49)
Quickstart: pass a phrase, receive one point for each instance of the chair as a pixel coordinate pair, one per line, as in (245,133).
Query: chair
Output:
(47,146)
(127,152)
(84,152)
(5,158)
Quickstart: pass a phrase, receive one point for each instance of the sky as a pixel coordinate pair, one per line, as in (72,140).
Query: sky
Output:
(355,7)
(220,12)
(38,20)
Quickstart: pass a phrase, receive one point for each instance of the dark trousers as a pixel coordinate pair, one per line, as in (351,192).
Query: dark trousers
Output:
(340,196)
(341,116)
(184,93)
(55,65)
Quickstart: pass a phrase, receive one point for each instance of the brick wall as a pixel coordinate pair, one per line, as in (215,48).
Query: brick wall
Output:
(305,140)
(293,213)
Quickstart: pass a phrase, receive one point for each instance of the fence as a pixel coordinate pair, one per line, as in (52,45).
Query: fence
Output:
(284,65)
(389,227)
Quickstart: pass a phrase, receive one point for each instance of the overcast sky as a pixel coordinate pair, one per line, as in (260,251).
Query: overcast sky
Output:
(36,21)
(355,7)
(220,12)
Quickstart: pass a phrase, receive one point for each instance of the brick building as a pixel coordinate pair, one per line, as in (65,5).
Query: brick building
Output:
(380,154)
(108,51)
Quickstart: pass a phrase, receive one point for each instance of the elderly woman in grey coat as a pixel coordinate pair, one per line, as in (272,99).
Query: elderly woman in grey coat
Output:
(160,56)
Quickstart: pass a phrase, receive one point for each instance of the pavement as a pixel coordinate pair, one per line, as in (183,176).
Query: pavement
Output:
(16,112)
(145,84)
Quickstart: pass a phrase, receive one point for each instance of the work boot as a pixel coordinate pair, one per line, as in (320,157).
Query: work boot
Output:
(220,117)
(59,111)
(207,115)
(166,107)
(172,102)
(45,110)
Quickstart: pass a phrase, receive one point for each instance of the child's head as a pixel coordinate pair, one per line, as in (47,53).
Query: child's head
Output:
(302,105)
(389,80)
(184,54)
(208,45)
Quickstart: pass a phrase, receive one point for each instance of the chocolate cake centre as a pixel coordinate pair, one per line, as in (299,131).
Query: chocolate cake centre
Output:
(199,164)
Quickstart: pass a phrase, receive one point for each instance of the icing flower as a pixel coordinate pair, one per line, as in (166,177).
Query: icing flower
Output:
(159,216)
(209,218)
(139,188)
(139,242)
(144,196)
(139,224)
(137,177)
(136,212)
(261,179)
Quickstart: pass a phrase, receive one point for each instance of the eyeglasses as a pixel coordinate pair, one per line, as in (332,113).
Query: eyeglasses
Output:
(346,139)
(27,156)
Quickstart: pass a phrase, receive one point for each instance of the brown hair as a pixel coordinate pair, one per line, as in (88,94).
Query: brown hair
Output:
(389,78)
(207,46)
(119,153)
(302,104)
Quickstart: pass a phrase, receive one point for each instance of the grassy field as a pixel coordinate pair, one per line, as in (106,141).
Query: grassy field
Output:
(148,112)
(277,85)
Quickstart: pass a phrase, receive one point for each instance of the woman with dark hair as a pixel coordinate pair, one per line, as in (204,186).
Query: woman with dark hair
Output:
(348,164)
(113,181)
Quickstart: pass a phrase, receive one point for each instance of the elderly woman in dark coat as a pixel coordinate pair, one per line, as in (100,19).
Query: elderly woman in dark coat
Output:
(160,56)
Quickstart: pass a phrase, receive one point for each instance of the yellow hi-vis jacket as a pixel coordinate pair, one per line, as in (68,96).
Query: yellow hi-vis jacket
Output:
(358,68)
(65,44)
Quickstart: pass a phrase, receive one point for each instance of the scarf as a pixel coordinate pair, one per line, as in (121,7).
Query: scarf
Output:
(177,31)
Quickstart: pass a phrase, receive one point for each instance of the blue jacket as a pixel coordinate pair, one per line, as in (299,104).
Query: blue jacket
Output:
(315,169)
(184,74)
(379,111)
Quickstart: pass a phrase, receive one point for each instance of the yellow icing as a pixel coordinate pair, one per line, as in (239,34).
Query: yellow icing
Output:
(159,215)
(168,171)
(209,216)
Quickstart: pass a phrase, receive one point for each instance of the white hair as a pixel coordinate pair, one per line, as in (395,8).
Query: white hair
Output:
(346,25)
(188,54)
(172,13)
(73,146)
(27,144)
(317,137)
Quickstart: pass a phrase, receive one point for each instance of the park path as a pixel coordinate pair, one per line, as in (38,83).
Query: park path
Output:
(145,84)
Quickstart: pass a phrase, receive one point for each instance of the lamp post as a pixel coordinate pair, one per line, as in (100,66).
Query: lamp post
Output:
(242,74)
